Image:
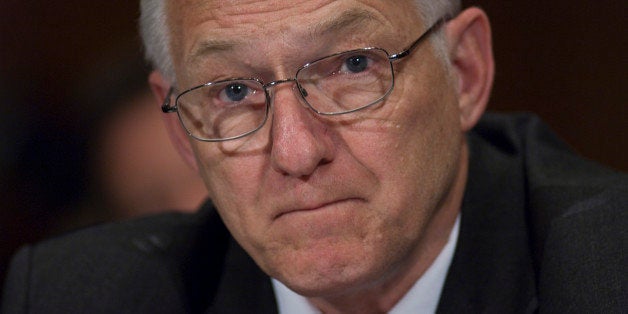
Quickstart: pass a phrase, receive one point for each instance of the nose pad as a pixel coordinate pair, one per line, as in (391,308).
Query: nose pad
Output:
(301,94)
(301,90)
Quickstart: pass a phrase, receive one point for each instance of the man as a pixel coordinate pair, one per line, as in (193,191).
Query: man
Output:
(356,185)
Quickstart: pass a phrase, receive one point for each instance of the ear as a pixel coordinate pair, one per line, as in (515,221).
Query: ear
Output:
(179,137)
(471,53)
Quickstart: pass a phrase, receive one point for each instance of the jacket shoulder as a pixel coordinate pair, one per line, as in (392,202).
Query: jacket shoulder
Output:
(554,175)
(169,262)
(576,212)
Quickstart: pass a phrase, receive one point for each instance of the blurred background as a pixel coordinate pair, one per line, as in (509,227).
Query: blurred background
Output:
(82,140)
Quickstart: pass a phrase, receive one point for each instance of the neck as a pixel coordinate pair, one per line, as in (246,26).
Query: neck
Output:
(383,296)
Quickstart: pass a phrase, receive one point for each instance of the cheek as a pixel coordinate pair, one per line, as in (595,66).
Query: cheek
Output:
(232,167)
(415,153)
(237,178)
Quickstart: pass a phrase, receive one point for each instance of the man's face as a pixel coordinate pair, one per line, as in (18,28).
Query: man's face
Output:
(324,203)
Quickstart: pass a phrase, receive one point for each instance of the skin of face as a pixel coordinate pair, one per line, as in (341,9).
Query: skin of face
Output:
(342,207)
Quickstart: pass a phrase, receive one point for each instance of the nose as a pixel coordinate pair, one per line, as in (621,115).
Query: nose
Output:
(301,142)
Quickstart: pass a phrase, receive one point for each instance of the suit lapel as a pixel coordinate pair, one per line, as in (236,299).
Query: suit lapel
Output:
(243,288)
(492,270)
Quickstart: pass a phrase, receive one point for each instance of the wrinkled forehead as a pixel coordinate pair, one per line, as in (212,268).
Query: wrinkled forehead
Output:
(272,17)
(202,28)
(234,12)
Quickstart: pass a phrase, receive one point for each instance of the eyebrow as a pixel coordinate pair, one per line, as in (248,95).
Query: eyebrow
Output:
(348,19)
(212,46)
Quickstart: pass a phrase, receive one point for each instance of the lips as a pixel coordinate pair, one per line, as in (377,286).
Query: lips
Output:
(315,207)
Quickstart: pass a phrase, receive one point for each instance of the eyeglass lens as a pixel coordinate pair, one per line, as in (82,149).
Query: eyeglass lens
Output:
(336,84)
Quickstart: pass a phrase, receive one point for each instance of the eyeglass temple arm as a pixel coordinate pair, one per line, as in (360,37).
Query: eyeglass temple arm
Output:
(426,34)
(166,107)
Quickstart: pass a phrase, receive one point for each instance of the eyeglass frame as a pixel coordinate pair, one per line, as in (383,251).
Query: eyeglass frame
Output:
(167,108)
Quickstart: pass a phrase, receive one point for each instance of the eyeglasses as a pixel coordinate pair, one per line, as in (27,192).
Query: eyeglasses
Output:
(337,84)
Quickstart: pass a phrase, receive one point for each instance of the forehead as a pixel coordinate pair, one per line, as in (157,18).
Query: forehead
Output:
(248,29)
(230,13)
(251,19)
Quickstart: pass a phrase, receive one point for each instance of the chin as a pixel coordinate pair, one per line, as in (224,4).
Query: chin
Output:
(332,271)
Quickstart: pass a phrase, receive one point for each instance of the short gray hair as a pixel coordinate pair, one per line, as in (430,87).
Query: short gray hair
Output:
(153,26)
(155,34)
(434,9)
(429,11)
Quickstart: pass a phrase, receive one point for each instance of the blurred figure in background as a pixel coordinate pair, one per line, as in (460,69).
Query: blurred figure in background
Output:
(132,168)
(135,166)
(114,162)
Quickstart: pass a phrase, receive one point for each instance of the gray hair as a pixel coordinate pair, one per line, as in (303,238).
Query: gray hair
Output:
(431,9)
(155,34)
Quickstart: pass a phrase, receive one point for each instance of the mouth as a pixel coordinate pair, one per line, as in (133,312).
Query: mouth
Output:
(314,208)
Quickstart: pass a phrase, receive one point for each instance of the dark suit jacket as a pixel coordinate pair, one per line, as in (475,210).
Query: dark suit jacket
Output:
(541,229)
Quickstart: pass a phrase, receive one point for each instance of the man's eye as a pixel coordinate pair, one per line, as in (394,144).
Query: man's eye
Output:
(234,92)
(355,64)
